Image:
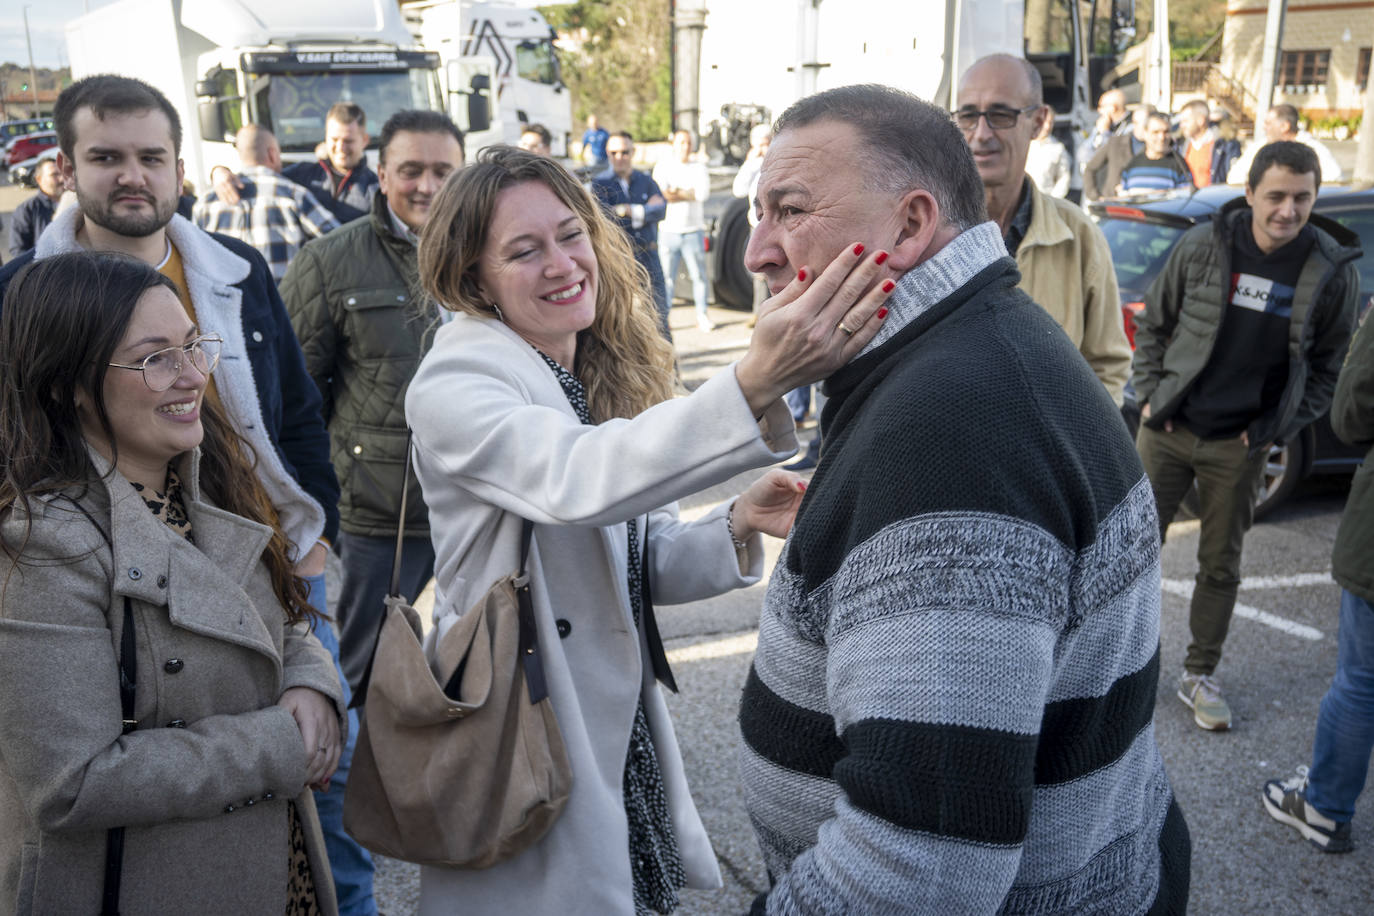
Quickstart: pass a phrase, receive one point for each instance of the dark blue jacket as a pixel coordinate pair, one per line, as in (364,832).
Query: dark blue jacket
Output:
(1224,153)
(28,222)
(356,189)
(289,401)
(644,240)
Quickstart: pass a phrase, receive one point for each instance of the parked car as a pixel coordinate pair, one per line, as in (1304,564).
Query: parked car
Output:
(22,174)
(30,145)
(1142,233)
(11,129)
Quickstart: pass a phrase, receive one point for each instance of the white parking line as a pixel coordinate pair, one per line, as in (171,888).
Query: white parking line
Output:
(1183,588)
(1301,580)
(738,644)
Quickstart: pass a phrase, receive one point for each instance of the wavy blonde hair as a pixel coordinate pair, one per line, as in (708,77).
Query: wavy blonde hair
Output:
(623,361)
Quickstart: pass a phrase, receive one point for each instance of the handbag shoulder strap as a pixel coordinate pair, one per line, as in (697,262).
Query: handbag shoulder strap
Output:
(658,658)
(528,641)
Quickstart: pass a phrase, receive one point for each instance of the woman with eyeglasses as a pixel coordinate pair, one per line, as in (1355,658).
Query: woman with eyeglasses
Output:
(164,709)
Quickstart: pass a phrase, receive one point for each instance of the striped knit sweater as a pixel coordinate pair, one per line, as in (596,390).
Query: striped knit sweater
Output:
(950,710)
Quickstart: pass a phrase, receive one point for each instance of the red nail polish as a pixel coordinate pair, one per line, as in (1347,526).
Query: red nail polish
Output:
(882,313)
(801,275)
(858,250)
(888,286)
(880,257)
(801,485)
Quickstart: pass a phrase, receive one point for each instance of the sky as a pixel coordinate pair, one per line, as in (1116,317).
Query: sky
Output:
(47,25)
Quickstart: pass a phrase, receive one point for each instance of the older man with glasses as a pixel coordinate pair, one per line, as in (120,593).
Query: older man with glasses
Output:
(1065,264)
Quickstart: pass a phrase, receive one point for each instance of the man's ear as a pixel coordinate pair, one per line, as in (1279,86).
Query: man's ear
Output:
(67,169)
(919,221)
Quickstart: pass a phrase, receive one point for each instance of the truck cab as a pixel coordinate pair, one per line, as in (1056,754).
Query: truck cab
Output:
(227,63)
(513,48)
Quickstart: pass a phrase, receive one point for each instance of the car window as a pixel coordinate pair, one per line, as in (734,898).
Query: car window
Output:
(1139,251)
(1361,222)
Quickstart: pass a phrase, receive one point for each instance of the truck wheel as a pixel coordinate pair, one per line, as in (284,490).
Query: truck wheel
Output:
(732,285)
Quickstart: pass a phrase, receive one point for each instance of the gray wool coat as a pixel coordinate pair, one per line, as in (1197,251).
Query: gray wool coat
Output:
(202,785)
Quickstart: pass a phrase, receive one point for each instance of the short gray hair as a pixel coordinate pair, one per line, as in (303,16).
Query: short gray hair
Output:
(909,144)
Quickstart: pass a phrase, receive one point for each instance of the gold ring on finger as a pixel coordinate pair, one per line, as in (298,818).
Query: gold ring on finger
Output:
(847,332)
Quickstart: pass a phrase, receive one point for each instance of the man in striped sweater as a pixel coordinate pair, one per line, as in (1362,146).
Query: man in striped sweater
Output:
(950,710)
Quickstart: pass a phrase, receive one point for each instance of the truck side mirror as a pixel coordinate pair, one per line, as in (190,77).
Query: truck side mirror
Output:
(479,111)
(1123,25)
(212,126)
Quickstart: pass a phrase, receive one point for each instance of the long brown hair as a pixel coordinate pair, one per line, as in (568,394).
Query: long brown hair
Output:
(62,321)
(623,361)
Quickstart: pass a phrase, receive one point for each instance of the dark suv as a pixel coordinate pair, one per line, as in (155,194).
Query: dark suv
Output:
(1142,234)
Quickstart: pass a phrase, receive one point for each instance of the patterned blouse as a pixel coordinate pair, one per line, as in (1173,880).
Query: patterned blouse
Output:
(655,862)
(170,508)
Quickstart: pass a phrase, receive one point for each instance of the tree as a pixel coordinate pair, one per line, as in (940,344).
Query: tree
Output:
(616,62)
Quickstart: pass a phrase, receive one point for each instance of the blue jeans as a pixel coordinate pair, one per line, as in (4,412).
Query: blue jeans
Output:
(350,863)
(649,261)
(672,248)
(798,401)
(1345,725)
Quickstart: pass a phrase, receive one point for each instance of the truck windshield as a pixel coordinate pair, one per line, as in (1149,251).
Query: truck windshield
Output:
(294,104)
(536,61)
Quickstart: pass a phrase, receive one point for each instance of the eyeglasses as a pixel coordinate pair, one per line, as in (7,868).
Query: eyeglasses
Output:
(998,118)
(162,368)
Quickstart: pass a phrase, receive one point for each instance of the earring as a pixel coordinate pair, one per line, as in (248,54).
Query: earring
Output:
(497,309)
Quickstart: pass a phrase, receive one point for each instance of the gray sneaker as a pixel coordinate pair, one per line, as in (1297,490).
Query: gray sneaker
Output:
(1202,694)
(1286,802)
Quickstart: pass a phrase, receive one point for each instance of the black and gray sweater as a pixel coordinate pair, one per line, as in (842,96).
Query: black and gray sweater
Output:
(950,709)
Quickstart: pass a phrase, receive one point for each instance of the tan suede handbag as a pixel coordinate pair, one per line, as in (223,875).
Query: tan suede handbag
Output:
(461,763)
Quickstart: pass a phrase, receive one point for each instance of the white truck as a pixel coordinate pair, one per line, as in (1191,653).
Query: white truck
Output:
(226,63)
(765,54)
(513,45)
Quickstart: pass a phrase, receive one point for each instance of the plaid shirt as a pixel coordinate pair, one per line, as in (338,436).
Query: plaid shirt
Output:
(274,215)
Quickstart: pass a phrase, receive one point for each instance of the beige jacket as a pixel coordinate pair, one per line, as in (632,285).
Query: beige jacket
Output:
(1066,267)
(202,784)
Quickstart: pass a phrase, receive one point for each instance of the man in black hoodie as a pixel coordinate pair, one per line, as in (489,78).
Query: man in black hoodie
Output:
(1238,348)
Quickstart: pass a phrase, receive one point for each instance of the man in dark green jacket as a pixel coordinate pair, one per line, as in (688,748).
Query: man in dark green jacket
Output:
(1321,803)
(355,301)
(1238,348)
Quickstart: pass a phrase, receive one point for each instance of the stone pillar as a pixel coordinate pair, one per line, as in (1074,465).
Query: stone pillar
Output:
(1364,150)
(689,21)
(1269,65)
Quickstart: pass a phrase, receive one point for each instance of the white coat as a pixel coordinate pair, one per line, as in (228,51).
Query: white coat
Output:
(495,441)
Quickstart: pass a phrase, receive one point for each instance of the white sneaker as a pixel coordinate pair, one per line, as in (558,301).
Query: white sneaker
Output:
(705,324)
(1203,695)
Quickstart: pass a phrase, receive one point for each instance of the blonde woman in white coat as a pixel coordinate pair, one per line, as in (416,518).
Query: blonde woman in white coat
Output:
(549,397)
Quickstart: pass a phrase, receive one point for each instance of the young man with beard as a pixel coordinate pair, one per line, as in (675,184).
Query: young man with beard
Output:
(1239,347)
(121,141)
(354,298)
